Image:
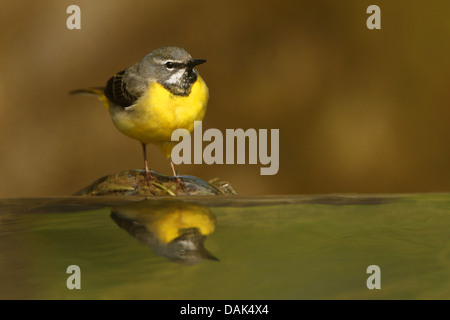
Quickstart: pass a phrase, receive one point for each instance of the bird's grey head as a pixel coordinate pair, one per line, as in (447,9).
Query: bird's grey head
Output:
(188,248)
(172,67)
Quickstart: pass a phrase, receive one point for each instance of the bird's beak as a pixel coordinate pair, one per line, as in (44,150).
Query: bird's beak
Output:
(195,62)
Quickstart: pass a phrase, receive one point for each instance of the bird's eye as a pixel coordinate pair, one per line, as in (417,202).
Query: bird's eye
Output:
(169,65)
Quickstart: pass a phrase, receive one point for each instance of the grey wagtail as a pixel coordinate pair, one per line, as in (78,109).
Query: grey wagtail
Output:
(155,96)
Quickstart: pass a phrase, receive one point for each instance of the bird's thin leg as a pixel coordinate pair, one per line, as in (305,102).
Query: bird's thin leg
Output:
(173,167)
(179,182)
(148,175)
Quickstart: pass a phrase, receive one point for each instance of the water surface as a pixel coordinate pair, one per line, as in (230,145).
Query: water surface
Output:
(226,247)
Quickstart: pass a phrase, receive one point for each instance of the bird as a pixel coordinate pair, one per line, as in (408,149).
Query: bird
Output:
(174,229)
(155,96)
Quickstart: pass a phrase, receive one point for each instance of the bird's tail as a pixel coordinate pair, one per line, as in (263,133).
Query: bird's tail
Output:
(97,91)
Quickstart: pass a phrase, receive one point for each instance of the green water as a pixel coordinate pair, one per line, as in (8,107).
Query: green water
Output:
(296,247)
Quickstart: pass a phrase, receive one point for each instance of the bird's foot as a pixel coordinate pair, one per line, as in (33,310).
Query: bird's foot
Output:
(181,186)
(149,178)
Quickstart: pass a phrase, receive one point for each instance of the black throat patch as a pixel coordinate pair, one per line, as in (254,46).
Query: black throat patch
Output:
(184,86)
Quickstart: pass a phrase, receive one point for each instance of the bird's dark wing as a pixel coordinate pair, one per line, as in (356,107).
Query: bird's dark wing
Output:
(116,91)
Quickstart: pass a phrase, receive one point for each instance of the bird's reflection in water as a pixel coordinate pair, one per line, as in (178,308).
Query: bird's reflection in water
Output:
(174,229)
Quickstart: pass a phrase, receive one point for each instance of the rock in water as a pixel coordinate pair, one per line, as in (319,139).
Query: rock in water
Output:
(134,183)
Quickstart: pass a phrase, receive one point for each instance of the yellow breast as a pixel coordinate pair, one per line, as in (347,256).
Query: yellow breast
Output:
(154,117)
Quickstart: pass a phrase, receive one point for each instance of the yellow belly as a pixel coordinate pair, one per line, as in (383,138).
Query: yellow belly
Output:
(155,115)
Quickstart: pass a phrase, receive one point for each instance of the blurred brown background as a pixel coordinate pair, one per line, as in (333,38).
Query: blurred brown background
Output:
(358,110)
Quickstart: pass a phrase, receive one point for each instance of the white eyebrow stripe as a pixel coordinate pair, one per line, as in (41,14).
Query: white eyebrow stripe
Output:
(168,60)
